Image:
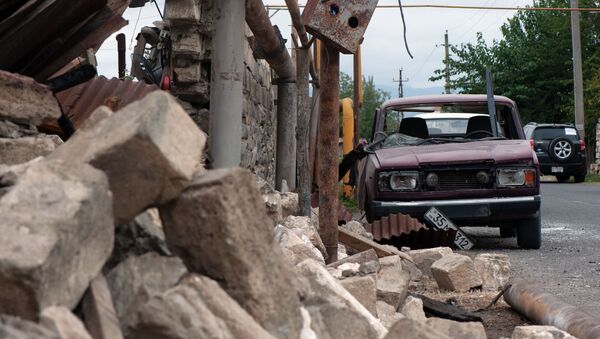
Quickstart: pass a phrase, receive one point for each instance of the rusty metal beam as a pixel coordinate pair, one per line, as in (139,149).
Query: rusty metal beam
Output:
(302,58)
(545,309)
(297,21)
(328,153)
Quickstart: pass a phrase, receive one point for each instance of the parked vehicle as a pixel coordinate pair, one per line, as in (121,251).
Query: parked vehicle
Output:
(441,151)
(560,150)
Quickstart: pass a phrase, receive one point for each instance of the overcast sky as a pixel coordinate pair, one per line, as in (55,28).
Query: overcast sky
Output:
(383,49)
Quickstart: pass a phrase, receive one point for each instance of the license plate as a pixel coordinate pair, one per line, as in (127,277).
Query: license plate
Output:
(558,169)
(438,220)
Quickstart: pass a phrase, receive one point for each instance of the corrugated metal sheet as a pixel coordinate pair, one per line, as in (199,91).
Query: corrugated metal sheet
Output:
(393,225)
(79,102)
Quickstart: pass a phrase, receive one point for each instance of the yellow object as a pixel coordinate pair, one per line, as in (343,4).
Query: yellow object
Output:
(348,137)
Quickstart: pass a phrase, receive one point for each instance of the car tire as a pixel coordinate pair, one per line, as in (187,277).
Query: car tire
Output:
(562,178)
(561,150)
(579,178)
(529,233)
(508,232)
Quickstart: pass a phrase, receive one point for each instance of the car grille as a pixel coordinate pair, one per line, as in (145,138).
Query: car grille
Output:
(455,180)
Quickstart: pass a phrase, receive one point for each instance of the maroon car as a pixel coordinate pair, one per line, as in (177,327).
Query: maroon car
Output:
(447,152)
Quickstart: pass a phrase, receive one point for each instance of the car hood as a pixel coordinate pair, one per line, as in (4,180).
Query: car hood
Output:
(488,151)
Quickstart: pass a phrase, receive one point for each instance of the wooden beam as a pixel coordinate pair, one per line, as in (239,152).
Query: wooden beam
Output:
(363,244)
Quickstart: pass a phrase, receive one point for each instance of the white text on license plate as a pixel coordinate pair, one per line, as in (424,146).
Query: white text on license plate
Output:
(558,169)
(440,221)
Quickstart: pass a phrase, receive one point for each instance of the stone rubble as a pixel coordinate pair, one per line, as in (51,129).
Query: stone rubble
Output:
(540,332)
(127,236)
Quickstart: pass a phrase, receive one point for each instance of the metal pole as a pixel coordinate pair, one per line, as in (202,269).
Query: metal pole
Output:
(302,57)
(121,50)
(328,154)
(447,48)
(357,94)
(491,101)
(545,309)
(577,69)
(226,94)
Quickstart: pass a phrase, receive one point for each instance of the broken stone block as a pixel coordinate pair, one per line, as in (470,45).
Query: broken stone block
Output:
(359,258)
(540,332)
(21,150)
(17,328)
(99,312)
(10,130)
(387,314)
(57,233)
(455,329)
(295,248)
(101,113)
(289,204)
(364,289)
(413,309)
(182,11)
(273,204)
(345,271)
(149,150)
(426,257)
(392,281)
(60,320)
(142,235)
(219,226)
(494,270)
(305,224)
(336,313)
(25,101)
(133,282)
(412,329)
(196,308)
(357,228)
(456,272)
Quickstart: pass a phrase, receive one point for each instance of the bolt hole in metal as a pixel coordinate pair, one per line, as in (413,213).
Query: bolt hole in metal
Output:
(562,149)
(353,22)
(334,10)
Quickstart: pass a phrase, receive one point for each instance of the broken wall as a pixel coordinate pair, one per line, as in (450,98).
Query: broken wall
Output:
(191,33)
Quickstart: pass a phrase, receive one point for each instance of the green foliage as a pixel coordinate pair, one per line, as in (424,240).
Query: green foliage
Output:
(373,97)
(532,64)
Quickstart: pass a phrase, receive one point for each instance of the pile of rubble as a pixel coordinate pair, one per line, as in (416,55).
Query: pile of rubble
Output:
(121,233)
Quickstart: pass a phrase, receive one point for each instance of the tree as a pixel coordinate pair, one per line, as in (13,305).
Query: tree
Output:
(373,98)
(532,64)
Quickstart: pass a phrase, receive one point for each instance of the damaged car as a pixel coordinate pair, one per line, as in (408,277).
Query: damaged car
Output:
(449,152)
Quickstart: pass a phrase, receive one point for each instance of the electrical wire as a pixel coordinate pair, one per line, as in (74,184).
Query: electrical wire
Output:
(158,9)
(137,21)
(404,24)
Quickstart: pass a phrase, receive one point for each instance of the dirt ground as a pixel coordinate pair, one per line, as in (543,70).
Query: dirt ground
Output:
(499,320)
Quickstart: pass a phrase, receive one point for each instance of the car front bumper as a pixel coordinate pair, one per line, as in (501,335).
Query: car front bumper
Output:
(486,209)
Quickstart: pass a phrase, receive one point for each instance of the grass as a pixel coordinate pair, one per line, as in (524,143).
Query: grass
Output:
(350,204)
(593,178)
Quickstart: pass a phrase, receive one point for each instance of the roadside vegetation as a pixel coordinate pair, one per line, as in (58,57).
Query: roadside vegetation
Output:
(593,178)
(532,64)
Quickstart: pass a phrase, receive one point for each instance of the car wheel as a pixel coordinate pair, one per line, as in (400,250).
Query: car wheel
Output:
(580,178)
(563,178)
(508,232)
(561,150)
(529,233)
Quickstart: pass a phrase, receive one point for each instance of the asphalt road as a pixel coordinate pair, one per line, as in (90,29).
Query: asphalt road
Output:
(568,264)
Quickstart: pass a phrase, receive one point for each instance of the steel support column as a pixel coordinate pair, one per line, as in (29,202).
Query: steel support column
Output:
(329,104)
(226,94)
(302,65)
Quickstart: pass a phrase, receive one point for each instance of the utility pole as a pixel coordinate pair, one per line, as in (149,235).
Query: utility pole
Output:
(577,69)
(447,47)
(401,82)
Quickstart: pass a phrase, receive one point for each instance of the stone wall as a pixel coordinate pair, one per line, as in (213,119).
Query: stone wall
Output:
(191,33)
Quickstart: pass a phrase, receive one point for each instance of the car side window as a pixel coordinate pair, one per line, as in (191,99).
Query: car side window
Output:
(392,122)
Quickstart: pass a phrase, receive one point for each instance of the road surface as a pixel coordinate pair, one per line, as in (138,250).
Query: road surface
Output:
(568,264)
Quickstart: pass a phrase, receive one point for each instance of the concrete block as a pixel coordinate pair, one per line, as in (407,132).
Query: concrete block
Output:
(456,272)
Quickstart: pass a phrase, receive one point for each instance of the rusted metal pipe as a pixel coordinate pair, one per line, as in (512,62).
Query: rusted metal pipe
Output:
(329,104)
(357,94)
(545,309)
(294,10)
(269,41)
(274,51)
(302,57)
(121,49)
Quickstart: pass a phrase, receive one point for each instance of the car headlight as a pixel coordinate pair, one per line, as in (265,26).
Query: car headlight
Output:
(398,181)
(516,177)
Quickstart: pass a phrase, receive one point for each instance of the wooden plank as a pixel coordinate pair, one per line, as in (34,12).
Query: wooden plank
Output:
(363,244)
(44,24)
(18,15)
